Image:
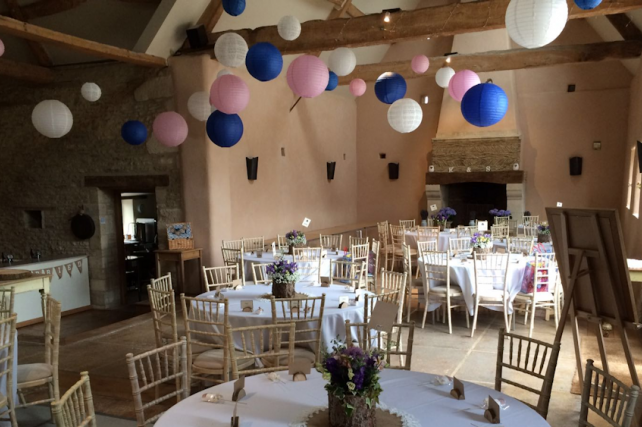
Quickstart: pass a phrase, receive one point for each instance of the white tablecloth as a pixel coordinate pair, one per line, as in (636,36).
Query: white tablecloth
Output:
(442,243)
(333,318)
(272,404)
(463,275)
(249,259)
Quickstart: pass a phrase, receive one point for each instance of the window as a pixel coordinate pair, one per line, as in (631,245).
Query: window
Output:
(629,190)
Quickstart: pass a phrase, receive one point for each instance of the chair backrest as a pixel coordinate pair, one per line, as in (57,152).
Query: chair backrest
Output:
(429,246)
(330,241)
(205,320)
(531,221)
(407,265)
(76,407)
(7,297)
(427,234)
(392,287)
(397,236)
(253,244)
(309,264)
(546,273)
(459,245)
(359,334)
(482,224)
(353,241)
(351,273)
(382,229)
(463,231)
(163,283)
(259,342)
(501,220)
(529,231)
(7,334)
(407,223)
(281,243)
(52,314)
(607,397)
(491,270)
(150,370)
(232,244)
(307,316)
(527,358)
(436,271)
(376,245)
(235,257)
(499,231)
(220,277)
(360,252)
(521,245)
(163,309)
(259,275)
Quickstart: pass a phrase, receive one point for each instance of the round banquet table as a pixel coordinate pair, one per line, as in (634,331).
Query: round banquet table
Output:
(287,403)
(334,318)
(268,258)
(442,243)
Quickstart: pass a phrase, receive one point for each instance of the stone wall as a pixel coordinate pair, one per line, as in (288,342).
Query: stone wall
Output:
(48,174)
(475,155)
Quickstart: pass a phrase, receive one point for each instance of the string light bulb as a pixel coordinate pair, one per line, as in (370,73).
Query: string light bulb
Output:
(448,60)
(386,17)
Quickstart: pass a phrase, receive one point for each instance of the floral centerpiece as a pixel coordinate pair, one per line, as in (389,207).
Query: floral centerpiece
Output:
(443,216)
(353,384)
(481,243)
(543,233)
(284,275)
(500,213)
(294,239)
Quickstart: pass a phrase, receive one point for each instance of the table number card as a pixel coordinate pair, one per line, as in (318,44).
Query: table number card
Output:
(433,208)
(344,302)
(559,204)
(300,369)
(482,226)
(306,222)
(458,390)
(383,317)
(247,305)
(294,305)
(492,413)
(239,390)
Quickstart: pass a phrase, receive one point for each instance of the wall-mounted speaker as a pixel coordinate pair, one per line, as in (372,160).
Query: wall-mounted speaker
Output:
(575,165)
(640,155)
(330,167)
(393,170)
(252,165)
(197,36)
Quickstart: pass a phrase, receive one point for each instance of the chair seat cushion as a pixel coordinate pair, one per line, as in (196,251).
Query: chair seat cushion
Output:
(539,296)
(213,359)
(34,372)
(299,353)
(455,291)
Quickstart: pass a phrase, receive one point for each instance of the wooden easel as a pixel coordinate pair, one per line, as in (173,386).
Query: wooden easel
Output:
(594,273)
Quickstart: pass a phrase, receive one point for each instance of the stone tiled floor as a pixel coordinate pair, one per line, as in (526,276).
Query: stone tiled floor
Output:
(435,351)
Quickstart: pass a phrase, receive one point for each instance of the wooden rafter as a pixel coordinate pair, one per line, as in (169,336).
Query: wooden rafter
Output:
(27,72)
(36,48)
(515,59)
(352,10)
(627,28)
(368,30)
(44,35)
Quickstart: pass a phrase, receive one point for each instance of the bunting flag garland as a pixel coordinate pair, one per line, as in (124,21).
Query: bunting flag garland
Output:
(36,271)
(59,271)
(79,265)
(69,267)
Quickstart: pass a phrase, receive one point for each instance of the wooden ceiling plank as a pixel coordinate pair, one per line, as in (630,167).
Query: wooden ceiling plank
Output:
(369,30)
(627,28)
(26,72)
(36,48)
(43,35)
(503,60)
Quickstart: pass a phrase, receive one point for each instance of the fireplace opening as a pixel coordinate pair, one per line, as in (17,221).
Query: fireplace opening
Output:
(473,200)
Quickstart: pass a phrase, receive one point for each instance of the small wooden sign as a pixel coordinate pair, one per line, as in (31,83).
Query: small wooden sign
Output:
(325,281)
(492,413)
(239,390)
(294,305)
(344,302)
(458,390)
(300,369)
(247,305)
(383,316)
(237,284)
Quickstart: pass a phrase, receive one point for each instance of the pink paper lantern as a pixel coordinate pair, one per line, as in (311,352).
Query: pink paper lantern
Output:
(170,129)
(461,82)
(357,87)
(229,94)
(420,64)
(308,76)
(1,48)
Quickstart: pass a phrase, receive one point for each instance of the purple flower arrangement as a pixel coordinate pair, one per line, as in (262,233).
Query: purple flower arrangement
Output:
(481,241)
(295,237)
(283,271)
(543,229)
(444,214)
(499,212)
(351,371)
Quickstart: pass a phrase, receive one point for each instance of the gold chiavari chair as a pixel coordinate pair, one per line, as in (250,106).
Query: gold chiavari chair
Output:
(253,244)
(459,246)
(151,370)
(607,397)
(463,231)
(259,274)
(348,273)
(359,334)
(309,264)
(530,221)
(76,407)
(163,310)
(526,356)
(307,316)
(7,335)
(353,241)
(360,253)
(220,277)
(512,227)
(490,272)
(427,234)
(407,223)
(500,233)
(386,245)
(528,231)
(7,297)
(398,237)
(281,243)
(501,221)
(261,342)
(233,244)
(521,245)
(391,290)
(430,246)
(40,374)
(373,278)
(234,257)
(331,242)
(413,283)
(163,283)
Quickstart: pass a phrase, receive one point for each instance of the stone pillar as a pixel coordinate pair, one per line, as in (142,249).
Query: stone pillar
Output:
(515,200)
(434,197)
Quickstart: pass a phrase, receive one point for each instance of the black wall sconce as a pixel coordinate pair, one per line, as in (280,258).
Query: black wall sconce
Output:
(575,164)
(393,170)
(330,167)
(252,164)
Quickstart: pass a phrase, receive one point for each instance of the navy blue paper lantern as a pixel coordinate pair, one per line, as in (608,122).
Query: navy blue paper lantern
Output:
(332,82)
(264,61)
(234,7)
(484,105)
(390,87)
(224,130)
(587,4)
(134,132)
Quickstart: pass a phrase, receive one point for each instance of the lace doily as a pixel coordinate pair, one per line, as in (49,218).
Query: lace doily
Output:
(407,420)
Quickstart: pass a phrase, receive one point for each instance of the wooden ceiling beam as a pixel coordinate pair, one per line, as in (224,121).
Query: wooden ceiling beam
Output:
(352,10)
(26,72)
(369,30)
(43,35)
(503,60)
(627,28)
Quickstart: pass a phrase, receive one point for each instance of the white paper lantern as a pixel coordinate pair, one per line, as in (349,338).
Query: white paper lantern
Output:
(230,50)
(443,76)
(535,23)
(199,106)
(405,115)
(224,72)
(289,28)
(91,92)
(342,61)
(52,118)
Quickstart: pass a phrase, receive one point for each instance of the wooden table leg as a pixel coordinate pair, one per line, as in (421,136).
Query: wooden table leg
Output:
(201,276)
(181,277)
